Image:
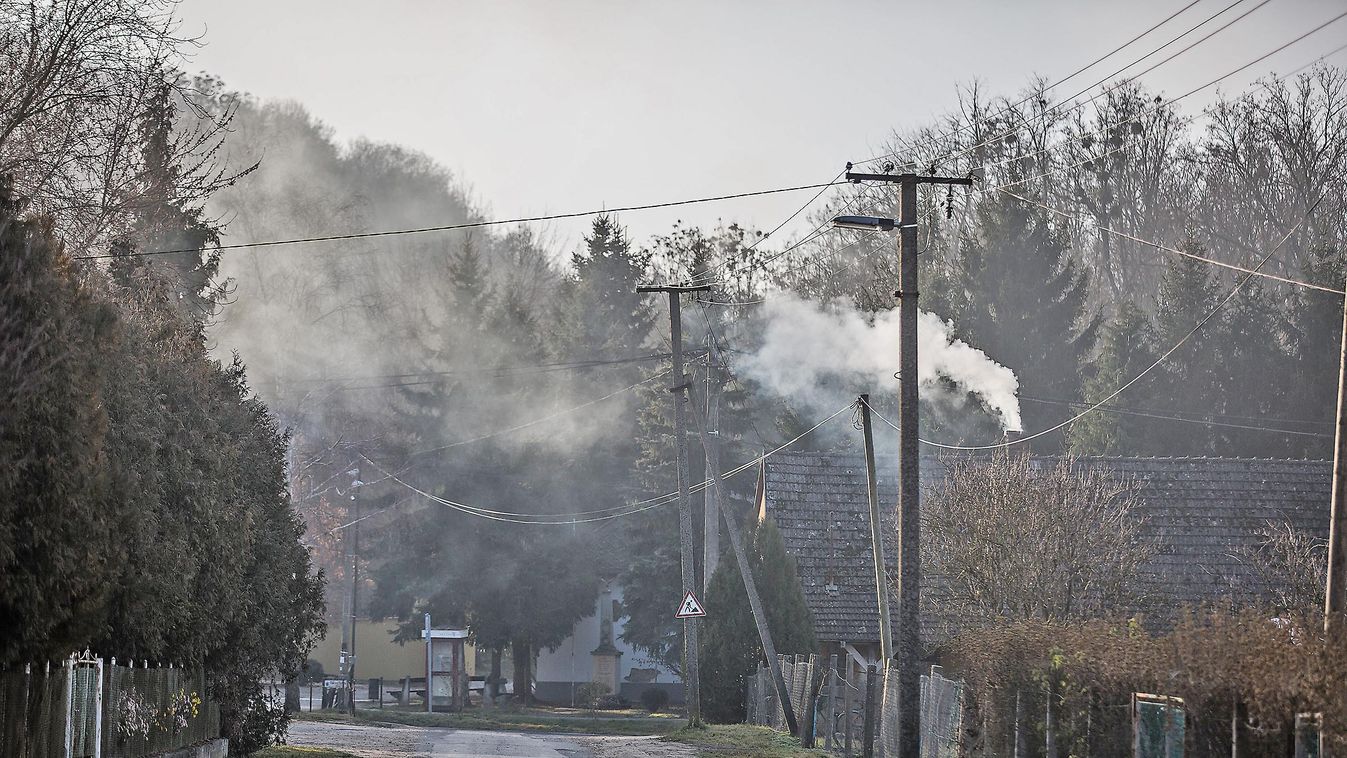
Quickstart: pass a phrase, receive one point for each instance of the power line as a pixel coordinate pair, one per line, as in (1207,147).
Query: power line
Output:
(1063,102)
(537,368)
(1249,271)
(1125,411)
(831,182)
(957,130)
(1203,322)
(465,225)
(1189,414)
(639,506)
(1172,101)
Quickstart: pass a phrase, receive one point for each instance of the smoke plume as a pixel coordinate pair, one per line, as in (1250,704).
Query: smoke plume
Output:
(818,354)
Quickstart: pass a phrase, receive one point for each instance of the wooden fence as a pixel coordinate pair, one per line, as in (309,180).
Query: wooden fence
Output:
(85,707)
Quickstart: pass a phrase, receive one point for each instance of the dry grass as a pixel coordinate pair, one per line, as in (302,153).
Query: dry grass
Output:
(741,741)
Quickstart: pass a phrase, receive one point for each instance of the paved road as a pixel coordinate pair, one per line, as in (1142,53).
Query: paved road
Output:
(421,742)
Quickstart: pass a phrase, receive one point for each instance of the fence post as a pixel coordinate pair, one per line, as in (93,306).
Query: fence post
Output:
(809,703)
(868,745)
(831,723)
(765,696)
(846,707)
(98,710)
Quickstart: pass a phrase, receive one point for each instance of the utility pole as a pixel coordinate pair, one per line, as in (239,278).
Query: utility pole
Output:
(711,447)
(1335,590)
(681,385)
(751,588)
(876,535)
(909,475)
(355,584)
(1335,593)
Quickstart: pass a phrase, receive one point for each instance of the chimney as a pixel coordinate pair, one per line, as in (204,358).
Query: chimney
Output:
(1014,436)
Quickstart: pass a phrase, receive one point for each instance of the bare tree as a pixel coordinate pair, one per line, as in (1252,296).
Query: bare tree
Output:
(1005,537)
(78,78)
(1291,565)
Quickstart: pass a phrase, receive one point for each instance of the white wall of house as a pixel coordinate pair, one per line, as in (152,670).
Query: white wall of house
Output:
(558,671)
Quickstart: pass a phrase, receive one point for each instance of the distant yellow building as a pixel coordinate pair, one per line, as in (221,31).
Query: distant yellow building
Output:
(377,655)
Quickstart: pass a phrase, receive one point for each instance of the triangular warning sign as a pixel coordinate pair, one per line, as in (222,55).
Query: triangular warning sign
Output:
(689,608)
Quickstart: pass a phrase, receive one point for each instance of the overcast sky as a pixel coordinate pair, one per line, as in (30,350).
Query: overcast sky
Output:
(549,106)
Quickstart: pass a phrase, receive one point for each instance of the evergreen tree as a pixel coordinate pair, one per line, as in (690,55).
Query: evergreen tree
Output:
(1022,300)
(1314,337)
(731,647)
(164,220)
(1127,346)
(599,311)
(143,513)
(58,552)
(653,569)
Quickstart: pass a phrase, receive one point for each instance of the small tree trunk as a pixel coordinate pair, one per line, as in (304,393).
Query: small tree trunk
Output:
(493,686)
(522,655)
(292,696)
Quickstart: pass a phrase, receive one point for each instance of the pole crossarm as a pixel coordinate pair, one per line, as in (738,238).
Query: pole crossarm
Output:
(900,178)
(673,288)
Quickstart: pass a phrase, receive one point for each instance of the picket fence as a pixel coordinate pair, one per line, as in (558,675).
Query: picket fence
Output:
(84,707)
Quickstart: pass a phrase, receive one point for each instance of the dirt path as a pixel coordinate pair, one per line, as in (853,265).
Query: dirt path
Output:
(421,742)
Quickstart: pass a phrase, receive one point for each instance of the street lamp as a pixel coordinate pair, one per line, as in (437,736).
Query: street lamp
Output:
(865,223)
(909,490)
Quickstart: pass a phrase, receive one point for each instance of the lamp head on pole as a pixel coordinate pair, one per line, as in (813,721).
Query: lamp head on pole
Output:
(865,223)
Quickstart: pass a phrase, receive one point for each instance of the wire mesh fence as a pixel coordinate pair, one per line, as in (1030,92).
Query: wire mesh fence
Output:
(832,701)
(85,707)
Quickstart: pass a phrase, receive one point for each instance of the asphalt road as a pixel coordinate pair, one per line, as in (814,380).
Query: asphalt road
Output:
(423,742)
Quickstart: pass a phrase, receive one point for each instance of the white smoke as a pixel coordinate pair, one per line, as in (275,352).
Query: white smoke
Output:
(808,349)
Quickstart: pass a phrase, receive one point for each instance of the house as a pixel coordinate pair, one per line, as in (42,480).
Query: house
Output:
(1201,511)
(378,655)
(595,652)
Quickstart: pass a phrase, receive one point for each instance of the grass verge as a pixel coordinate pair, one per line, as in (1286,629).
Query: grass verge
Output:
(291,751)
(741,741)
(530,720)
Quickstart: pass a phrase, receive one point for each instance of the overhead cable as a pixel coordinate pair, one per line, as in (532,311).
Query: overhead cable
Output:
(1183,340)
(1249,271)
(562,519)
(465,225)
(1038,93)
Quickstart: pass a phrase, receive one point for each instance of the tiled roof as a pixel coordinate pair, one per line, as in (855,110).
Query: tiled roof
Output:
(1200,511)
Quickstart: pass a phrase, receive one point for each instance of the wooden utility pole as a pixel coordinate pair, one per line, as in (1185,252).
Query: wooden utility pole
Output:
(1335,590)
(355,584)
(909,476)
(680,388)
(1335,593)
(751,588)
(877,534)
(711,448)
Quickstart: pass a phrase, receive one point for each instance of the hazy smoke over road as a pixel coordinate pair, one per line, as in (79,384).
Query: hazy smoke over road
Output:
(808,350)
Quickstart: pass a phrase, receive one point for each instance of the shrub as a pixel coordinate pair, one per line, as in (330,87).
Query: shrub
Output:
(655,699)
(588,694)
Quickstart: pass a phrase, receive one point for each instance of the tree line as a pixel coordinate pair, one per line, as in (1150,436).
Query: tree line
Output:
(144,505)
(455,362)
(450,359)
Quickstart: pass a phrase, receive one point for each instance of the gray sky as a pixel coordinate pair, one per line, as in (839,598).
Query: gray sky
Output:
(548,106)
